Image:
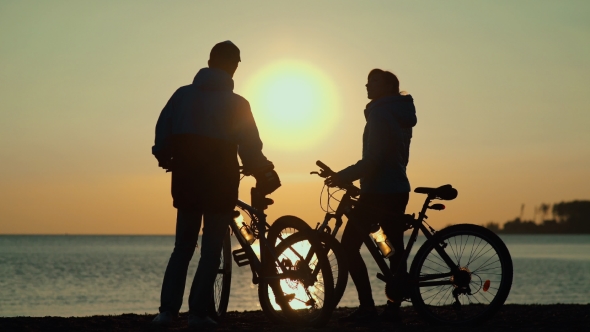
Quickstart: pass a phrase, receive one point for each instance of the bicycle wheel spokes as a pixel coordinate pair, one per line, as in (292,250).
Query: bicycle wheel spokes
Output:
(285,232)
(294,292)
(222,284)
(304,291)
(469,291)
(335,268)
(289,225)
(218,286)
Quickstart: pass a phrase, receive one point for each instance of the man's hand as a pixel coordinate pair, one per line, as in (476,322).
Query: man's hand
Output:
(165,163)
(334,181)
(267,181)
(164,158)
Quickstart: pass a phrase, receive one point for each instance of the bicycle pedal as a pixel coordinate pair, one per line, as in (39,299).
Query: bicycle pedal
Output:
(240,257)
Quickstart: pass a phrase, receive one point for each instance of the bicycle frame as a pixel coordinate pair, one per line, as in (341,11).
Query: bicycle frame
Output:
(259,222)
(345,207)
(449,275)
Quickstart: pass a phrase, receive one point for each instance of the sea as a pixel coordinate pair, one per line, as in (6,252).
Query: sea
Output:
(109,275)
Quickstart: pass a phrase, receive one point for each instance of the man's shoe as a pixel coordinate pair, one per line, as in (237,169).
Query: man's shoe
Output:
(164,318)
(360,315)
(391,313)
(196,322)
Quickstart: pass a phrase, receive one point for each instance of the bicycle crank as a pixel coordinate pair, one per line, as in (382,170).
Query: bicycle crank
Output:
(398,288)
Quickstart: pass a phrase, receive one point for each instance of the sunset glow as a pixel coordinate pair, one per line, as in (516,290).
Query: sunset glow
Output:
(502,108)
(295,104)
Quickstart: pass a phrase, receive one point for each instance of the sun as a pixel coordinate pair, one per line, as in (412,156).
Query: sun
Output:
(294,103)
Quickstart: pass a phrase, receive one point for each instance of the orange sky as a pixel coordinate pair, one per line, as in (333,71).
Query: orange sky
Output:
(500,90)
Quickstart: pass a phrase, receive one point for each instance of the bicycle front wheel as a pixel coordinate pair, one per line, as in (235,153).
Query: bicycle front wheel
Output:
(297,295)
(286,226)
(472,292)
(222,285)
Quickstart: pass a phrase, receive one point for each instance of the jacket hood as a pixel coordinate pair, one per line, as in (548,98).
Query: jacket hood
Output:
(213,79)
(402,108)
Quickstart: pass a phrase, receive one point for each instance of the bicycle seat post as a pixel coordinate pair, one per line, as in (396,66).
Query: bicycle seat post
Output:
(422,215)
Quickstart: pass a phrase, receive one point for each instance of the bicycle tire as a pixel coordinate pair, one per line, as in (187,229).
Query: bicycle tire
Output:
(478,248)
(222,285)
(300,310)
(287,225)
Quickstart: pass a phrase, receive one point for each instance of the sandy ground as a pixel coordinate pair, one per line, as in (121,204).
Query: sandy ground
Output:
(511,318)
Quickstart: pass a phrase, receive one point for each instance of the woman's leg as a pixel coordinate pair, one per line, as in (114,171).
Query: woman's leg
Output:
(353,236)
(394,226)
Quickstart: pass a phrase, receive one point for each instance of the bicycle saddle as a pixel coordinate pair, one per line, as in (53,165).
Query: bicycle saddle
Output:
(446,192)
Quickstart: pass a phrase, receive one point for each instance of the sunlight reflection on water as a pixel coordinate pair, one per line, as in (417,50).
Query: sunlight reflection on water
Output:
(90,275)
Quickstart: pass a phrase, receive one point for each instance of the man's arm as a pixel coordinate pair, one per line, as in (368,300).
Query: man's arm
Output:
(248,139)
(250,150)
(161,149)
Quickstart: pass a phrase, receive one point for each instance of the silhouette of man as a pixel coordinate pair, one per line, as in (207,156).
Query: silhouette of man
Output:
(200,132)
(384,185)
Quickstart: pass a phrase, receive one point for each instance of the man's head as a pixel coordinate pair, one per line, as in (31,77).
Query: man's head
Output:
(381,83)
(225,56)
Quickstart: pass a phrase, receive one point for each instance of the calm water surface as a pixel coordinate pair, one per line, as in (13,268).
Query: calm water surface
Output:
(91,275)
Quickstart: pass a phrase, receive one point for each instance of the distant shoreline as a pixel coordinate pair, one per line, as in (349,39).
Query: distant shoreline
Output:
(567,218)
(512,317)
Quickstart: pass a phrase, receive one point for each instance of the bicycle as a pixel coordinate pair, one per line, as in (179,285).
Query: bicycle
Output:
(287,266)
(460,275)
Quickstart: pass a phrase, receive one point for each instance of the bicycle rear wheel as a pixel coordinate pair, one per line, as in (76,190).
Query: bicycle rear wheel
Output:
(297,296)
(222,285)
(286,226)
(476,290)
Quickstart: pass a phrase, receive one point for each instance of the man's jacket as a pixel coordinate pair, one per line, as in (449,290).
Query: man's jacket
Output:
(386,146)
(201,130)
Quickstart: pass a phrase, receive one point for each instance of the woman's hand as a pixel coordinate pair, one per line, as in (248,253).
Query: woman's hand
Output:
(334,181)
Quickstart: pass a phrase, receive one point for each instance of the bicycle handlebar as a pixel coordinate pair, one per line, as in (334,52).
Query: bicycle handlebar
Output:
(325,168)
(326,171)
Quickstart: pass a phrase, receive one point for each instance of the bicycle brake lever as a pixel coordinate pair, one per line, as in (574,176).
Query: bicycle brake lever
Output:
(314,173)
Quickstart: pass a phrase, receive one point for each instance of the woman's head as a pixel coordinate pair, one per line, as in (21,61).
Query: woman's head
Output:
(381,83)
